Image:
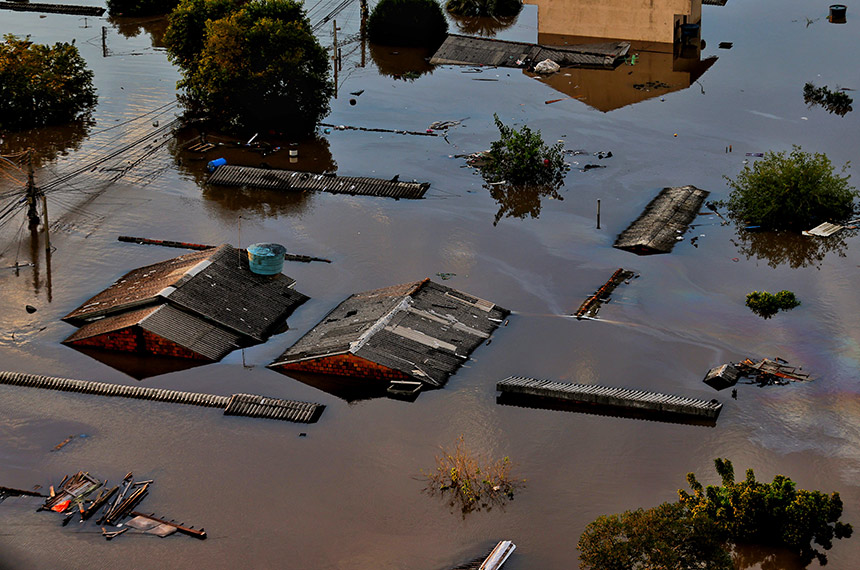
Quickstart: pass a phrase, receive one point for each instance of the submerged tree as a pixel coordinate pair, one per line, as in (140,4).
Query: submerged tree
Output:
(766,304)
(250,65)
(418,23)
(42,85)
(790,191)
(140,7)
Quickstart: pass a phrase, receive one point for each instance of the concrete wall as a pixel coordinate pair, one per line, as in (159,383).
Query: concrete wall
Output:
(634,20)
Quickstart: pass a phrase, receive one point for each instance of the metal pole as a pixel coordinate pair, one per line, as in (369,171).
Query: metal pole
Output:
(598,213)
(364,13)
(104,41)
(334,55)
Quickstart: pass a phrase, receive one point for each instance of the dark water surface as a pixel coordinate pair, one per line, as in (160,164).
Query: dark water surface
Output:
(348,495)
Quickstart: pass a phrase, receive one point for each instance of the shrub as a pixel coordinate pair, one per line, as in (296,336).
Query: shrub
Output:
(794,191)
(42,85)
(419,23)
(521,158)
(250,66)
(140,7)
(471,482)
(491,8)
(766,304)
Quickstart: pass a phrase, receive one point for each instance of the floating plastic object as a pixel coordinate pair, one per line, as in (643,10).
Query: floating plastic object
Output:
(213,164)
(266,258)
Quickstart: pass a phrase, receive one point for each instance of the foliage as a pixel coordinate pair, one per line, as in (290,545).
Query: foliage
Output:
(522,158)
(668,536)
(250,65)
(471,482)
(140,7)
(794,191)
(773,514)
(42,85)
(499,8)
(419,23)
(766,304)
(837,102)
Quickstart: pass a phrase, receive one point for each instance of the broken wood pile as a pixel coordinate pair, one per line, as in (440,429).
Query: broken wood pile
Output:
(75,494)
(771,372)
(591,305)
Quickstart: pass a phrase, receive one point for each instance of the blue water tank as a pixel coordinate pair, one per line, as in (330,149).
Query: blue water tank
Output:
(213,164)
(266,258)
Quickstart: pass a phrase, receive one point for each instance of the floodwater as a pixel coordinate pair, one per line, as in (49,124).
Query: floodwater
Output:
(348,494)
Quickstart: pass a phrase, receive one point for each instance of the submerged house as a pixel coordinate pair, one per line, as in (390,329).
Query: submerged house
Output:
(198,306)
(412,334)
(663,222)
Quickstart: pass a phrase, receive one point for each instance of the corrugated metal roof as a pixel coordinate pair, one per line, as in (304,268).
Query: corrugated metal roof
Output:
(664,220)
(422,329)
(714,2)
(228,175)
(824,230)
(468,50)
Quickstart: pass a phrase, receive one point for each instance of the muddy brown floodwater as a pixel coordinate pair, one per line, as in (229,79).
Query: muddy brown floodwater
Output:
(348,494)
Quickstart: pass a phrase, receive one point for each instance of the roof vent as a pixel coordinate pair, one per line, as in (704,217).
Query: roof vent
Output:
(266,258)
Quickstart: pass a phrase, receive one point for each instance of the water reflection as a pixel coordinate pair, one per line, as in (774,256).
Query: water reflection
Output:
(520,201)
(403,63)
(348,388)
(788,248)
(747,557)
(48,143)
(139,366)
(132,27)
(486,26)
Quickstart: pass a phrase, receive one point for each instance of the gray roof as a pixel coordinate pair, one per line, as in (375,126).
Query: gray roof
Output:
(664,220)
(467,50)
(228,175)
(423,329)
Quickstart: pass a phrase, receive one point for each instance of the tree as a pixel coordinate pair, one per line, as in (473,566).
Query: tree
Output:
(250,65)
(42,85)
(770,514)
(418,23)
(487,8)
(520,157)
(668,537)
(794,191)
(140,7)
(766,304)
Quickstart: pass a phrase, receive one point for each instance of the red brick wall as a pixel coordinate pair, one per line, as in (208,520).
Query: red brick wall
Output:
(134,339)
(347,365)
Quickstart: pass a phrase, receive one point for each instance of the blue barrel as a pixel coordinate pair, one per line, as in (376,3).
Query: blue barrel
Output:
(266,258)
(213,164)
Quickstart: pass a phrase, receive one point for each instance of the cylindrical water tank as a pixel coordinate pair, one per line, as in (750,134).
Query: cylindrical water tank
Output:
(266,258)
(213,164)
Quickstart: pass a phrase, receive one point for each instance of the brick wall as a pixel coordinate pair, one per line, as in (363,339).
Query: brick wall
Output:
(137,340)
(347,365)
(160,346)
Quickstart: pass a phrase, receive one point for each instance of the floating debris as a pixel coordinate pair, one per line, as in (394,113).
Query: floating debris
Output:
(589,308)
(765,372)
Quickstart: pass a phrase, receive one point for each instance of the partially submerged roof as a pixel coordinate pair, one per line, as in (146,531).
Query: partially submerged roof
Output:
(467,50)
(199,305)
(663,222)
(271,179)
(421,330)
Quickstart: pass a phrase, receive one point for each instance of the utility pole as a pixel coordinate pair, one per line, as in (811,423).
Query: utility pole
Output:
(364,14)
(32,193)
(334,55)
(104,42)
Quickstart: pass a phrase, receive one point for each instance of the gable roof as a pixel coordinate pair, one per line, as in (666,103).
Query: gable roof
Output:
(663,222)
(422,329)
(215,285)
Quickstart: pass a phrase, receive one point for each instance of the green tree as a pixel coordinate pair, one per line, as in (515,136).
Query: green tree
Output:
(520,157)
(140,7)
(766,304)
(790,191)
(771,514)
(418,23)
(42,85)
(250,65)
(668,537)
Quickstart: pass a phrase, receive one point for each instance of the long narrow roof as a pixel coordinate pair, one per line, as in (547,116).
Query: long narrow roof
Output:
(468,50)
(215,285)
(663,222)
(422,329)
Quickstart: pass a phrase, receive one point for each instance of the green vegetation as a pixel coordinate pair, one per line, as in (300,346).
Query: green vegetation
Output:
(795,191)
(250,65)
(418,23)
(491,8)
(766,304)
(521,158)
(698,531)
(837,102)
(140,7)
(42,85)
(471,482)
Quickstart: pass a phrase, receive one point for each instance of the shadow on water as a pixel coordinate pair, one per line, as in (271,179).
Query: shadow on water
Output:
(406,63)
(748,557)
(485,26)
(788,248)
(48,143)
(133,27)
(140,366)
(346,388)
(520,201)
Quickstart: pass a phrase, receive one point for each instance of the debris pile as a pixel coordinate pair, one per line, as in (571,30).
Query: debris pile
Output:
(765,372)
(588,309)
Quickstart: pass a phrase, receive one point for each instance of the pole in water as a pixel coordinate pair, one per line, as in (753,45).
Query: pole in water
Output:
(598,213)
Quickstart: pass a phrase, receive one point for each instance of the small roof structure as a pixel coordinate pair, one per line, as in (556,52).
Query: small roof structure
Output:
(664,220)
(200,305)
(415,331)
(468,50)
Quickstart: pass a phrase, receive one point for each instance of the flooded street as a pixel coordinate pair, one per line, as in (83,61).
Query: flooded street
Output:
(346,492)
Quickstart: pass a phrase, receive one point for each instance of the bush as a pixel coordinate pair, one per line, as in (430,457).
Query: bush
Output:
(419,23)
(491,8)
(472,483)
(250,66)
(42,85)
(140,7)
(795,191)
(766,304)
(521,158)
